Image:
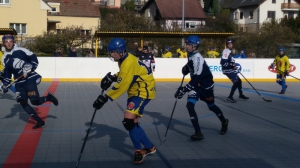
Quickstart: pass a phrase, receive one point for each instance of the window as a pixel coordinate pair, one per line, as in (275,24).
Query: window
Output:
(235,16)
(4,2)
(241,15)
(53,10)
(251,15)
(192,25)
(111,2)
(187,25)
(274,1)
(271,14)
(85,32)
(290,14)
(19,27)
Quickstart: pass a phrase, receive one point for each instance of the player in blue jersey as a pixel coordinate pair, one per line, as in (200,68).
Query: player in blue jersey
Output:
(21,63)
(228,67)
(201,86)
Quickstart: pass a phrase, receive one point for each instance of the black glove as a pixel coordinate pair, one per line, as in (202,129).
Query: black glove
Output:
(272,66)
(286,73)
(185,70)
(180,92)
(107,81)
(99,102)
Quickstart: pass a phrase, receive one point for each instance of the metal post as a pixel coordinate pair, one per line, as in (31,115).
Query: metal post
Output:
(182,23)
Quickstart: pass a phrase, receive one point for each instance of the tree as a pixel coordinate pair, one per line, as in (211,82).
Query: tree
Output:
(129,5)
(67,37)
(216,6)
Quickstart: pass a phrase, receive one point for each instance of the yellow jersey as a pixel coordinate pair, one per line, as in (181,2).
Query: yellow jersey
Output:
(282,64)
(212,54)
(133,77)
(167,55)
(181,53)
(1,63)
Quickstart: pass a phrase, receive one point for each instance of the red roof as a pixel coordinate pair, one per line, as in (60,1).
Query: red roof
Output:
(83,8)
(172,9)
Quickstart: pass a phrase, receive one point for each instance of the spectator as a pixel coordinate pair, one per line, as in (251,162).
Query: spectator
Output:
(181,52)
(91,53)
(72,52)
(58,52)
(139,52)
(240,55)
(168,53)
(212,53)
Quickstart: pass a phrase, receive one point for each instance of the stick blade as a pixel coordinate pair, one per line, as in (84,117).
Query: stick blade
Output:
(267,100)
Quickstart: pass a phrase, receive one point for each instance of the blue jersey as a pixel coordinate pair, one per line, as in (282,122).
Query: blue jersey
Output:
(227,61)
(13,62)
(201,75)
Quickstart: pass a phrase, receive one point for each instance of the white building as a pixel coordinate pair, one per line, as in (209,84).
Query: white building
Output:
(250,14)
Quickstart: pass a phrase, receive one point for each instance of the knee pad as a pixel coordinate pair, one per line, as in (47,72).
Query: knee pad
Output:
(35,102)
(128,124)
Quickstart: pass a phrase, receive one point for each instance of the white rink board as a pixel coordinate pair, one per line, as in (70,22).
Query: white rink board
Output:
(166,68)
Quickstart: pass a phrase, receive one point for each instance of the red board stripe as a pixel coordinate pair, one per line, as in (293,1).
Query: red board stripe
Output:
(23,151)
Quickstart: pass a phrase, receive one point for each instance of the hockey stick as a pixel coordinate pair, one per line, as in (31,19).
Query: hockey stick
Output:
(6,87)
(172,113)
(86,136)
(288,75)
(255,89)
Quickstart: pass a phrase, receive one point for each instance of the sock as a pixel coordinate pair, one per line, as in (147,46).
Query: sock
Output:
(218,112)
(143,137)
(32,113)
(233,88)
(283,84)
(193,116)
(12,88)
(134,136)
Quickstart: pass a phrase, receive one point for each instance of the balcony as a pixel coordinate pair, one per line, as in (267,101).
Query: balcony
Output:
(290,6)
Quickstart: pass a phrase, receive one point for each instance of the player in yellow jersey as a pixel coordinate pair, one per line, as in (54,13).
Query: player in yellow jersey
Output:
(212,53)
(282,65)
(181,52)
(12,88)
(135,78)
(168,53)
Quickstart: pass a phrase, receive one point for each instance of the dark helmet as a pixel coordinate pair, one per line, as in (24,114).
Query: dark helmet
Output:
(282,49)
(116,44)
(211,47)
(145,48)
(195,40)
(8,36)
(168,48)
(229,41)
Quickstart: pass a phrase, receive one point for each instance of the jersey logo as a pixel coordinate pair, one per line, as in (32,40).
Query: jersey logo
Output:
(18,63)
(130,106)
(148,70)
(31,93)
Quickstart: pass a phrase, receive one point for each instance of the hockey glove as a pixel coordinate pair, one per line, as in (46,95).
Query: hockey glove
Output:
(272,66)
(27,69)
(107,81)
(99,102)
(1,75)
(286,73)
(179,93)
(3,89)
(185,70)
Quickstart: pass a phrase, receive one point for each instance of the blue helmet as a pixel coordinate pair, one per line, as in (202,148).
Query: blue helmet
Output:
(229,41)
(116,44)
(282,49)
(211,47)
(8,36)
(168,48)
(193,40)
